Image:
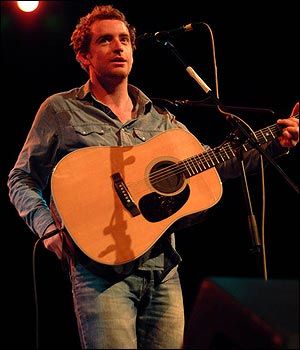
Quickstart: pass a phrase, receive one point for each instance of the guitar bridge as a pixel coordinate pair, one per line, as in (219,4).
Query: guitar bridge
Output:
(124,195)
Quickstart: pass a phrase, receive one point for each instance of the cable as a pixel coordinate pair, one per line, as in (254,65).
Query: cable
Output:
(265,272)
(214,57)
(263,210)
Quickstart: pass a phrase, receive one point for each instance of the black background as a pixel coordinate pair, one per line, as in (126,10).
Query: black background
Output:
(256,59)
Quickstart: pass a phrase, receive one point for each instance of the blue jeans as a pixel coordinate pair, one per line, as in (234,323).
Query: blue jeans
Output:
(138,312)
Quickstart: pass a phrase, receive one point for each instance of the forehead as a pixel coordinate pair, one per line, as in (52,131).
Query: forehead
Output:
(108,26)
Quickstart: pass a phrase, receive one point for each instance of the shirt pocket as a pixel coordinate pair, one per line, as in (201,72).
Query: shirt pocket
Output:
(93,134)
(88,129)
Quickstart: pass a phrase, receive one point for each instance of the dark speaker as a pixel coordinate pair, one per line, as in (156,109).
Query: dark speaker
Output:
(237,313)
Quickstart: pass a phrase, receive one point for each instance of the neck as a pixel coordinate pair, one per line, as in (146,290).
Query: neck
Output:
(115,96)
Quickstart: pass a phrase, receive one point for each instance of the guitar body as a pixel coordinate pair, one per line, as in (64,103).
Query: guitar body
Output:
(116,202)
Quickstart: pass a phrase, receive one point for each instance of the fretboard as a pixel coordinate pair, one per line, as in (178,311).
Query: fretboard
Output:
(211,158)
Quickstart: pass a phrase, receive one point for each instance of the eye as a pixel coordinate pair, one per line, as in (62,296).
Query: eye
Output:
(125,39)
(103,40)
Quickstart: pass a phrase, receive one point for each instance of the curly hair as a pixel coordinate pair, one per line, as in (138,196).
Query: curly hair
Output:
(81,36)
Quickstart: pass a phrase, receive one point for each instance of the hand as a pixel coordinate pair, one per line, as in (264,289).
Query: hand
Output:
(54,243)
(290,129)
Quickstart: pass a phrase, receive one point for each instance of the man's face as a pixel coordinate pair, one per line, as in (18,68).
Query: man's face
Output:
(111,53)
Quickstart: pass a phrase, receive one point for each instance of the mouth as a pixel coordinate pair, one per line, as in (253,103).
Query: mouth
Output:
(118,60)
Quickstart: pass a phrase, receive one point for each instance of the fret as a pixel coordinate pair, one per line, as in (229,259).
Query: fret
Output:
(206,159)
(271,132)
(196,163)
(193,165)
(227,155)
(218,155)
(215,153)
(210,158)
(186,163)
(232,152)
(264,135)
(187,172)
(245,147)
(200,158)
(268,134)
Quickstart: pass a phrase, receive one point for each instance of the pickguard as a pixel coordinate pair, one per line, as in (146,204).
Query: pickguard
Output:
(156,207)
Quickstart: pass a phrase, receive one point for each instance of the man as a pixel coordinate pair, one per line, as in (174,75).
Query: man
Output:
(133,304)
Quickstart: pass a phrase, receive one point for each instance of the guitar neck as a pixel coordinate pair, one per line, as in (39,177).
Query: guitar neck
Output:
(211,158)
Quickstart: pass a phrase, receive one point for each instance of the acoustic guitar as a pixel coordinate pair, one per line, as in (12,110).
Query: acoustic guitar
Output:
(116,202)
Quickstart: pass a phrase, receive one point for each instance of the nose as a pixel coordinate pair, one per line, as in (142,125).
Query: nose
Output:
(117,45)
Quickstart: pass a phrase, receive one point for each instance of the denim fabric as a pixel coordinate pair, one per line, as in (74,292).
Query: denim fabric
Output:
(137,312)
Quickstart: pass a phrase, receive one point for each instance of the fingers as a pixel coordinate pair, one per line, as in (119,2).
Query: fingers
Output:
(295,110)
(288,139)
(54,244)
(289,122)
(290,130)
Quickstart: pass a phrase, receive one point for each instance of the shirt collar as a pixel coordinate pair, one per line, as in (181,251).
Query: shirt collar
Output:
(142,103)
(83,91)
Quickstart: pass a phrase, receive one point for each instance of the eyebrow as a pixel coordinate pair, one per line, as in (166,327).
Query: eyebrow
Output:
(98,37)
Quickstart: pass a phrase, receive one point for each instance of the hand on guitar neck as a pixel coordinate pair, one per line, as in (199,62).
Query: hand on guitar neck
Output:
(290,128)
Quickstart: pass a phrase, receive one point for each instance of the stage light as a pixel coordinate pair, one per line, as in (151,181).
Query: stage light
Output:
(27,6)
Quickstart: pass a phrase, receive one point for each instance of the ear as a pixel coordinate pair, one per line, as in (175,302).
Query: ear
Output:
(82,59)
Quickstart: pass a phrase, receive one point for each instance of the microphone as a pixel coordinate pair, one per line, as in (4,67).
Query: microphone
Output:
(167,33)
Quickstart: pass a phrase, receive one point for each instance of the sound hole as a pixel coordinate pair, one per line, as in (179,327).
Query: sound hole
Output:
(166,178)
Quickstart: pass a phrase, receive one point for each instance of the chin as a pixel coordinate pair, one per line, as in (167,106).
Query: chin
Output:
(119,75)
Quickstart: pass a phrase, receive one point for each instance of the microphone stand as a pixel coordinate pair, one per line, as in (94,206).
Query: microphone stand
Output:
(200,104)
(238,124)
(231,118)
(234,108)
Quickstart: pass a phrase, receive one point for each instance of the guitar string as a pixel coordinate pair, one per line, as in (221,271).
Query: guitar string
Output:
(206,157)
(177,168)
(262,135)
(206,160)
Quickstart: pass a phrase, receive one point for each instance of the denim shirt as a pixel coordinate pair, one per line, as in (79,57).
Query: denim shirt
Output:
(74,119)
